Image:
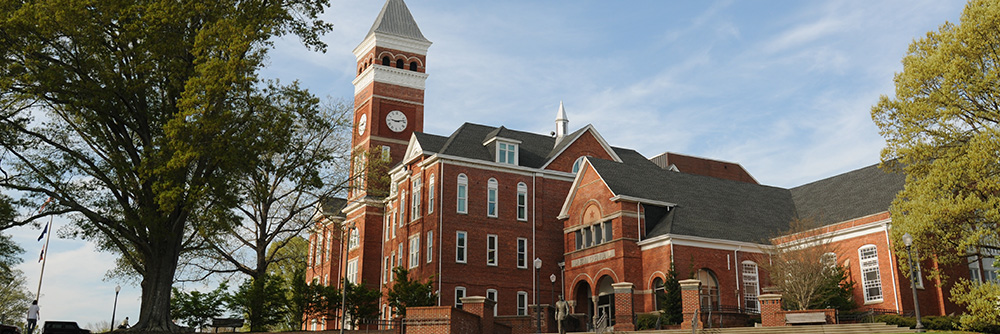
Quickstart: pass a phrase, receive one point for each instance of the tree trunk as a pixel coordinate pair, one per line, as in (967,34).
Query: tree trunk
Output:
(154,311)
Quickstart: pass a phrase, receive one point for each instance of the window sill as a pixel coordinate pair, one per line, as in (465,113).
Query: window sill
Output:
(877,301)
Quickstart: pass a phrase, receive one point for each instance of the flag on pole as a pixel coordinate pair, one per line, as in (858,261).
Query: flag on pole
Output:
(42,255)
(46,229)
(44,204)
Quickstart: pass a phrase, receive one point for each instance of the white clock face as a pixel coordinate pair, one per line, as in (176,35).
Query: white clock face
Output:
(396,120)
(362,123)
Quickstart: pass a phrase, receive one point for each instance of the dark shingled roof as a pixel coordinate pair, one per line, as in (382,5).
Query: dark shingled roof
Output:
(395,19)
(429,142)
(332,206)
(854,194)
(706,206)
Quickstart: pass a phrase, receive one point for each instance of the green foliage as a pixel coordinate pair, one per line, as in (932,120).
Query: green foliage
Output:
(406,293)
(269,291)
(646,321)
(196,309)
(14,298)
(362,302)
(941,323)
(10,256)
(128,113)
(982,300)
(670,302)
(836,291)
(941,127)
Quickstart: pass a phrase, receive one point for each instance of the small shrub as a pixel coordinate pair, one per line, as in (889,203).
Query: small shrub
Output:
(943,323)
(648,320)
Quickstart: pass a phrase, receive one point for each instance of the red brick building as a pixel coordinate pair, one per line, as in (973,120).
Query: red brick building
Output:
(474,209)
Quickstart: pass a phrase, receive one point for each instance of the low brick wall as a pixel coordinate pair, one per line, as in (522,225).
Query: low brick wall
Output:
(518,324)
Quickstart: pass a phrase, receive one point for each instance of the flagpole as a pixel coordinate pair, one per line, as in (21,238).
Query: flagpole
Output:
(45,258)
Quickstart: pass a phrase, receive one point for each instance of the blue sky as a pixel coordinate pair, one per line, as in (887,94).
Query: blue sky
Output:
(782,87)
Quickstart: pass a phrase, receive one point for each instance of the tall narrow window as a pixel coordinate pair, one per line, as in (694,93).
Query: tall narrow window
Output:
(598,234)
(415,210)
(459,294)
(460,245)
(463,194)
(522,303)
(491,198)
(870,277)
(385,61)
(522,201)
(577,164)
(522,253)
(414,251)
(750,286)
(402,207)
(491,294)
(430,246)
(386,153)
(355,239)
(399,63)
(352,271)
(491,249)
(430,195)
(608,232)
(387,272)
(400,262)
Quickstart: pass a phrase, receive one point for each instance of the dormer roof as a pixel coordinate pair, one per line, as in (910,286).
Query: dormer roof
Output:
(395,19)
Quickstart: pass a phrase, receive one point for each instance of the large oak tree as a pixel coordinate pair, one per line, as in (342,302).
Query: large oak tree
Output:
(136,116)
(941,127)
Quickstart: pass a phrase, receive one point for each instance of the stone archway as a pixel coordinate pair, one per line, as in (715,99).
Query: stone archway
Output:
(604,302)
(584,303)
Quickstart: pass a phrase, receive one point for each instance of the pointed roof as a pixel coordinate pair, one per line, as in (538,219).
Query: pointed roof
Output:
(561,116)
(395,19)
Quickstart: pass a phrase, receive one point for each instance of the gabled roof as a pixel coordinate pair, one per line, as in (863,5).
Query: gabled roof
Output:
(854,194)
(330,207)
(572,137)
(395,19)
(705,206)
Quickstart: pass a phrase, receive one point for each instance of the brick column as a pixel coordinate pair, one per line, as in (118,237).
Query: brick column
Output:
(690,302)
(770,310)
(623,307)
(483,308)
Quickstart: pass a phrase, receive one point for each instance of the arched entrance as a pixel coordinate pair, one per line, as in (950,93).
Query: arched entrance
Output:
(584,305)
(709,293)
(605,300)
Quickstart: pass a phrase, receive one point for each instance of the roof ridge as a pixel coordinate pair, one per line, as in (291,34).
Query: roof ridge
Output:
(395,19)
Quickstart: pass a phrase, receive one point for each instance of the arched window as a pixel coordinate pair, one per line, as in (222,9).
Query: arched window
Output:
(463,194)
(751,286)
(660,291)
(491,198)
(413,66)
(386,61)
(399,63)
(522,201)
(870,277)
(577,164)
(709,294)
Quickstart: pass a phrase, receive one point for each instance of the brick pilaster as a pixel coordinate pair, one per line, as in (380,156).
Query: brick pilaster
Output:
(770,310)
(623,307)
(690,303)
(483,308)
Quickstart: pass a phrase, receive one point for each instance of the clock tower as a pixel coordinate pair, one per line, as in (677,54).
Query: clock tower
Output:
(389,87)
(388,108)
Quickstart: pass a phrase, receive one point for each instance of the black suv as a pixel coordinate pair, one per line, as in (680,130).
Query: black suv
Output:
(63,327)
(8,329)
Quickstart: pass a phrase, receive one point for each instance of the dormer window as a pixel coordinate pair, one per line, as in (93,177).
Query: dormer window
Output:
(506,153)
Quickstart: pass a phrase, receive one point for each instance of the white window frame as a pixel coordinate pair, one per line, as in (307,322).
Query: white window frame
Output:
(491,250)
(459,294)
(462,194)
(496,304)
(387,272)
(461,247)
(522,201)
(354,240)
(869,263)
(402,207)
(751,286)
(507,153)
(385,153)
(522,253)
(430,195)
(522,303)
(430,246)
(399,259)
(414,251)
(352,271)
(577,164)
(415,201)
(492,205)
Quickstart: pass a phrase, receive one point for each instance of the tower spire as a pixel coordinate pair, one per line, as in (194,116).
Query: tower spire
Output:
(395,19)
(562,123)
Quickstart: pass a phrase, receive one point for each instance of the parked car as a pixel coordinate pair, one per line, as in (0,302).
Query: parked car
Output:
(8,329)
(63,327)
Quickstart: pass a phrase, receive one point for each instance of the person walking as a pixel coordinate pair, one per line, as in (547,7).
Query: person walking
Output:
(32,316)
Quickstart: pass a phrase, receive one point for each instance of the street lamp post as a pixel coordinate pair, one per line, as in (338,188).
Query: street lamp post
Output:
(538,308)
(908,241)
(552,278)
(118,288)
(343,283)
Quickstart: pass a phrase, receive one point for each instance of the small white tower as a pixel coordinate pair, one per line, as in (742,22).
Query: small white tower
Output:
(562,123)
